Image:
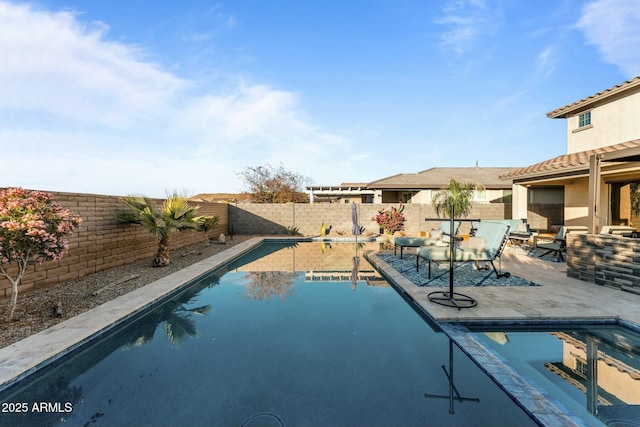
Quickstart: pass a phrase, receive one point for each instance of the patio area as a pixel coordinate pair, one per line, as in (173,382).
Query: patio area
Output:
(558,298)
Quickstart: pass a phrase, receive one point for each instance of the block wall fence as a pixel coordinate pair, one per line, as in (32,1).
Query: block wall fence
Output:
(101,242)
(308,218)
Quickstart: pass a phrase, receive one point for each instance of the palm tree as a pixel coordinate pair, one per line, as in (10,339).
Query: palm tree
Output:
(206,224)
(175,214)
(458,195)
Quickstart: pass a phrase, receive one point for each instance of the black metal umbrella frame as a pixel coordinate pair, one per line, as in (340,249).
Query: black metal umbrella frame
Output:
(450,298)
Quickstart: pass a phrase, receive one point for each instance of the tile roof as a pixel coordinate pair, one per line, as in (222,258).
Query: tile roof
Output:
(440,177)
(566,162)
(589,101)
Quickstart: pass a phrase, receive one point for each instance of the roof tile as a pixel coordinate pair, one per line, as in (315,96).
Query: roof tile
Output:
(566,161)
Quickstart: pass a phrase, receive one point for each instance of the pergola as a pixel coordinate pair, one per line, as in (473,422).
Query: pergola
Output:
(595,169)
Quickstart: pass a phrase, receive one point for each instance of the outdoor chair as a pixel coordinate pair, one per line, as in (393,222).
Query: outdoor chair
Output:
(485,246)
(439,237)
(520,234)
(620,230)
(559,244)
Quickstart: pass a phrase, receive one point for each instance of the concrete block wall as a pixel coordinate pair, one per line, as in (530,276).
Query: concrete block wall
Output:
(606,260)
(101,242)
(308,218)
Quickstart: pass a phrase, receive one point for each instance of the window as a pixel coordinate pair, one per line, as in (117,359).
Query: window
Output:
(584,119)
(581,366)
(480,195)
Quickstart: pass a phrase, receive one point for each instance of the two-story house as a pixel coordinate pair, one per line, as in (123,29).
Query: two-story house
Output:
(599,176)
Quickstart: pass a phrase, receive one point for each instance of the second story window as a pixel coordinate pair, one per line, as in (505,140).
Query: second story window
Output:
(584,119)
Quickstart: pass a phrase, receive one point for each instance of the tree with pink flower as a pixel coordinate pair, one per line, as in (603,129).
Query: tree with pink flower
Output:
(33,228)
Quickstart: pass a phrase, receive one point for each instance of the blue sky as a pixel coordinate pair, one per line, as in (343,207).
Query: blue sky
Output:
(143,96)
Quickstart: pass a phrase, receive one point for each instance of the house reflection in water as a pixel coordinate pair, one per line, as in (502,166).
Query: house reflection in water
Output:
(605,365)
(321,262)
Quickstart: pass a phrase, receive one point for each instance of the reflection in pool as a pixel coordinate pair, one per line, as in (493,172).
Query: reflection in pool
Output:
(594,370)
(300,335)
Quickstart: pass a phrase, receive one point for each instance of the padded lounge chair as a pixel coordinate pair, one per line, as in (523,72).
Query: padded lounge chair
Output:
(559,244)
(493,236)
(621,230)
(416,242)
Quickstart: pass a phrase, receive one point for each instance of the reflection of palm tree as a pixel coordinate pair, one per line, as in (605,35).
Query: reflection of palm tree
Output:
(177,321)
(179,326)
(262,285)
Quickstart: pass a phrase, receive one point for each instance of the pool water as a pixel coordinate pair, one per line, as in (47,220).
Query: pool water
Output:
(591,370)
(247,346)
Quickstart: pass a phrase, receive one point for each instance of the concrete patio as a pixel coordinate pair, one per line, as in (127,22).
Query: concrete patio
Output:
(559,298)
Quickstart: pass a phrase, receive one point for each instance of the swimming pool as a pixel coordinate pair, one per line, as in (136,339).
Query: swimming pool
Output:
(319,340)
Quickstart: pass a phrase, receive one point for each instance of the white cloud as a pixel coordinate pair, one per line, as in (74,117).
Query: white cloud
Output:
(58,66)
(613,26)
(80,112)
(545,62)
(467,21)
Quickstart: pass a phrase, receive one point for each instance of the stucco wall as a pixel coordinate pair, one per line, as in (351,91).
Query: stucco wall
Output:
(611,123)
(576,196)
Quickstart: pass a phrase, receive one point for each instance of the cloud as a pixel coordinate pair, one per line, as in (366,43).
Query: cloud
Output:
(467,21)
(613,26)
(57,66)
(545,63)
(80,112)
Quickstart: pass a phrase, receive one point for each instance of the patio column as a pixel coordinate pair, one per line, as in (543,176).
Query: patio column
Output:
(519,201)
(594,194)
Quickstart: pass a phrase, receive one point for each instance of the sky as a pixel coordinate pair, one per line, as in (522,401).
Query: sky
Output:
(150,97)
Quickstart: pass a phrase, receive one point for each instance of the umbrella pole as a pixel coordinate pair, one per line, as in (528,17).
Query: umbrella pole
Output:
(452,299)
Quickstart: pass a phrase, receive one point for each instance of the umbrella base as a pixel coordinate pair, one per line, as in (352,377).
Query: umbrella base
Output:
(452,299)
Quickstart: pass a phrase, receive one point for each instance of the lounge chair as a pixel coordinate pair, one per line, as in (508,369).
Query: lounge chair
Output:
(621,230)
(442,238)
(486,246)
(559,244)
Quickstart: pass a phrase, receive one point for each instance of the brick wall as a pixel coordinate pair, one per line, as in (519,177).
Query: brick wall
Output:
(308,218)
(101,242)
(607,260)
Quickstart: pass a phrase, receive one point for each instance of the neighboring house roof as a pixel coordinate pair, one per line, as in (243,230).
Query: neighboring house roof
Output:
(220,197)
(591,101)
(566,164)
(440,177)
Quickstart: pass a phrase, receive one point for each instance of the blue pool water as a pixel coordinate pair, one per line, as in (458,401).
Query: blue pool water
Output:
(246,346)
(593,371)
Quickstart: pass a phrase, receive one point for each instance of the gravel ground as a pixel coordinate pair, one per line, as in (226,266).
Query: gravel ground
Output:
(35,310)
